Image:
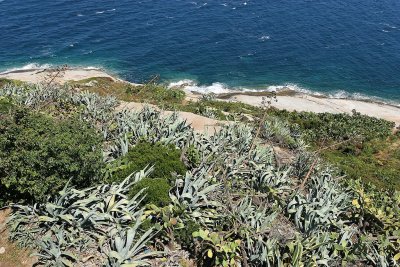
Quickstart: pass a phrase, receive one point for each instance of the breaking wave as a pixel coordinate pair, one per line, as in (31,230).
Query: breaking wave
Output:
(29,66)
(37,66)
(221,88)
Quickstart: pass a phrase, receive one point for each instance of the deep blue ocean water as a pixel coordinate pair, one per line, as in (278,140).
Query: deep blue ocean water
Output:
(329,46)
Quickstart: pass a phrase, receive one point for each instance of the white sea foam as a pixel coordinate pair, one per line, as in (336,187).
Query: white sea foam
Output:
(182,83)
(100,12)
(218,88)
(342,94)
(37,66)
(190,85)
(389,25)
(29,66)
(264,37)
(91,68)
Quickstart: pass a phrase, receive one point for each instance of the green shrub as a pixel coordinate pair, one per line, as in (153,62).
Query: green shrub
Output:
(5,106)
(359,145)
(157,191)
(165,158)
(148,92)
(279,131)
(184,236)
(376,161)
(327,128)
(156,93)
(39,154)
(220,110)
(193,156)
(4,81)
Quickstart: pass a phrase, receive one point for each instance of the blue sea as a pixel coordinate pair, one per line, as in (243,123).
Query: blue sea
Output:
(340,48)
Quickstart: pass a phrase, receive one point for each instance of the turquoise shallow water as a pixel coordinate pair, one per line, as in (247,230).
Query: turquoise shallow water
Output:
(340,48)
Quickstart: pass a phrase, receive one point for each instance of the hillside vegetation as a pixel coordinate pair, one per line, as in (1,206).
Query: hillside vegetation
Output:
(361,147)
(230,199)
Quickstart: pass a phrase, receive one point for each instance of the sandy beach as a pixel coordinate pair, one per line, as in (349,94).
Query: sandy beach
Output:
(295,101)
(39,75)
(302,102)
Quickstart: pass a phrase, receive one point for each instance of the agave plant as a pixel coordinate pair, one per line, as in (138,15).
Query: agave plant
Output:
(274,182)
(278,131)
(79,220)
(192,195)
(127,249)
(233,168)
(303,162)
(236,138)
(254,224)
(128,127)
(322,206)
(55,253)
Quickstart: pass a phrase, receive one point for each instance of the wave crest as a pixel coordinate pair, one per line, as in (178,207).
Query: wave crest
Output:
(220,88)
(190,85)
(29,66)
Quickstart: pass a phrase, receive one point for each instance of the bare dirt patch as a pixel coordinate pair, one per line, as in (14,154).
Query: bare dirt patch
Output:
(13,256)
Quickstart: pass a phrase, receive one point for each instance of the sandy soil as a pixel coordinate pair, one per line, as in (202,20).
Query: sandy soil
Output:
(40,75)
(199,123)
(11,255)
(303,102)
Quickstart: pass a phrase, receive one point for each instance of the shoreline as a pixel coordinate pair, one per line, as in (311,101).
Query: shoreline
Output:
(37,75)
(287,99)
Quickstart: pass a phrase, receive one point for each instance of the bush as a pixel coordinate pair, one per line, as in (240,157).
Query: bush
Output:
(4,81)
(157,191)
(327,128)
(156,93)
(39,154)
(165,158)
(5,106)
(184,236)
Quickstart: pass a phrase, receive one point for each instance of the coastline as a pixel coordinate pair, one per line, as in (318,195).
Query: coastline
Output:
(38,75)
(310,103)
(289,100)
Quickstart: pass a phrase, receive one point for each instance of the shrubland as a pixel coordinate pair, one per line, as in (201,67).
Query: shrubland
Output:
(149,92)
(231,200)
(40,154)
(362,147)
(166,160)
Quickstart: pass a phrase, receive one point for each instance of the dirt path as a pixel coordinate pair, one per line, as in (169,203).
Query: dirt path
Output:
(199,123)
